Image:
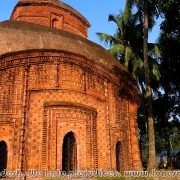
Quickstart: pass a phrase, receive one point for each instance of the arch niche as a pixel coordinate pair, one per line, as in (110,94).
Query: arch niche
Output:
(119,157)
(69,153)
(3,156)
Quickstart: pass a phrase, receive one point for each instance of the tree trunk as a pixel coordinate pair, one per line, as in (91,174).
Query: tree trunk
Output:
(152,151)
(127,11)
(168,148)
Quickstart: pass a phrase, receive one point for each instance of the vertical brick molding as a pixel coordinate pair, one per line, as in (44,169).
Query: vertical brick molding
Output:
(129,137)
(57,73)
(128,140)
(52,140)
(95,153)
(44,141)
(84,81)
(108,127)
(137,165)
(23,121)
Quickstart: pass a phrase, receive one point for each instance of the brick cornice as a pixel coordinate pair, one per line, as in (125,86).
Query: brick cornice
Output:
(52,56)
(69,104)
(73,12)
(24,58)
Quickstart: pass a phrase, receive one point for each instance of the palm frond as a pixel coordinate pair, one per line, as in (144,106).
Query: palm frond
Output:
(154,66)
(154,49)
(119,48)
(117,19)
(128,54)
(108,39)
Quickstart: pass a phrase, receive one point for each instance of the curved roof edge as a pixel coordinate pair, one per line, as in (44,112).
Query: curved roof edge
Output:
(17,36)
(54,3)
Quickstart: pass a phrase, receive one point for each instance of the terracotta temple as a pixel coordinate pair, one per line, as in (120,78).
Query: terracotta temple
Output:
(65,102)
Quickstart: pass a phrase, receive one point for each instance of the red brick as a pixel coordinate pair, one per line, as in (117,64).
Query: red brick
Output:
(47,93)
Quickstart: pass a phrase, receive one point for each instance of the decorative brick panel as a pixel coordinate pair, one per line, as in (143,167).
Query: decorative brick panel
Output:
(63,118)
(50,88)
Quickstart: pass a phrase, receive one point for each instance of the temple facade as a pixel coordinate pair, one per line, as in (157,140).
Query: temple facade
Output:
(65,102)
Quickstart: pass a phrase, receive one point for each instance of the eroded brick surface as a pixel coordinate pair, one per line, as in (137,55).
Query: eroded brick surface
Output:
(52,14)
(44,95)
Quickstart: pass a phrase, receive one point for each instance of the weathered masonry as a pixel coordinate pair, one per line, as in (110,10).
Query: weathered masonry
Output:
(65,102)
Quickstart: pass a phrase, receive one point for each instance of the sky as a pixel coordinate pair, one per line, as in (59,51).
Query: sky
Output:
(95,11)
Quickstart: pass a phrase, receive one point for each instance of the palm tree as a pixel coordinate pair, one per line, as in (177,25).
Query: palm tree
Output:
(123,43)
(127,46)
(152,151)
(147,10)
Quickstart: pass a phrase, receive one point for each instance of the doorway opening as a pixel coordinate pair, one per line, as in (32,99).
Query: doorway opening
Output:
(3,158)
(69,157)
(54,23)
(119,157)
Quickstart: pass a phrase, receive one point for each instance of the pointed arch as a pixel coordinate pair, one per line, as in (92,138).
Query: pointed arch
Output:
(119,157)
(69,153)
(3,157)
(54,22)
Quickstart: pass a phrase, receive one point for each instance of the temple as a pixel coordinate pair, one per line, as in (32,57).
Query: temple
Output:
(65,102)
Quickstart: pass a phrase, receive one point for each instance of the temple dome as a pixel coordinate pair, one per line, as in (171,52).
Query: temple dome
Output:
(51,13)
(30,28)
(66,103)
(19,36)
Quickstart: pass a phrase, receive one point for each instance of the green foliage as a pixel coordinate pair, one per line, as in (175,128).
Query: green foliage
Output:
(170,70)
(171,12)
(160,132)
(127,45)
(164,58)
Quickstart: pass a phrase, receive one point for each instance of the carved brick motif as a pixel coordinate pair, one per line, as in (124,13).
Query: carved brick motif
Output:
(61,120)
(54,58)
(60,78)
(71,75)
(96,84)
(42,76)
(11,91)
(46,94)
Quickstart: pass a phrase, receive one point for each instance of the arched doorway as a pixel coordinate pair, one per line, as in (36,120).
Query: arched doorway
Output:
(119,157)
(3,157)
(69,159)
(54,23)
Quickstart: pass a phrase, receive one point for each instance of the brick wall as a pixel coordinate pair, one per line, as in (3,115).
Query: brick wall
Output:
(52,16)
(45,95)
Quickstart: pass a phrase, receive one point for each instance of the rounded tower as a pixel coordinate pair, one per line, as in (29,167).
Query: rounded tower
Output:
(51,13)
(65,102)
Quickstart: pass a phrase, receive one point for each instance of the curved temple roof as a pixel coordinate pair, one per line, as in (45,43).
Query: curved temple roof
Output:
(19,36)
(52,2)
(51,13)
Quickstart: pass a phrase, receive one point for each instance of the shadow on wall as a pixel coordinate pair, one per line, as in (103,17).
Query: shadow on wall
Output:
(129,88)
